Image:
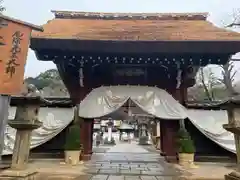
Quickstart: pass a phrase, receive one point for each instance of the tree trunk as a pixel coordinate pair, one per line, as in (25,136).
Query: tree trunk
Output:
(204,85)
(228,78)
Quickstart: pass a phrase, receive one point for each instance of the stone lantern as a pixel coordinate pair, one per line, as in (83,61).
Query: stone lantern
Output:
(233,109)
(143,121)
(125,128)
(110,126)
(25,121)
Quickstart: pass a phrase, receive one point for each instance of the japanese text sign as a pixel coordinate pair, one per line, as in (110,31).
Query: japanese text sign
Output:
(15,38)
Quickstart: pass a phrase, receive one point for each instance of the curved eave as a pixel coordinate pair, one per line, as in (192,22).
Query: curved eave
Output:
(117,46)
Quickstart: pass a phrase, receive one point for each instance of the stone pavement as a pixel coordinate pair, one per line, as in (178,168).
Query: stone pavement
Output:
(129,162)
(123,161)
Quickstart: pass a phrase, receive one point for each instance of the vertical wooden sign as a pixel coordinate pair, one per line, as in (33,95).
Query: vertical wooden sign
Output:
(15,38)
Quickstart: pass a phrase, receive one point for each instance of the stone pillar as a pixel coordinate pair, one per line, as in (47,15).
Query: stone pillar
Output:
(120,136)
(4,104)
(109,133)
(158,135)
(26,119)
(233,126)
(158,128)
(110,126)
(87,139)
(143,138)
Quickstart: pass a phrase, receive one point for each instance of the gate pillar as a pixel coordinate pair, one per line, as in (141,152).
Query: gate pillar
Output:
(87,138)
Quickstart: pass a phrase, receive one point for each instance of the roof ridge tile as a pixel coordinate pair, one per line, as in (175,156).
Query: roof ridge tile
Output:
(129,16)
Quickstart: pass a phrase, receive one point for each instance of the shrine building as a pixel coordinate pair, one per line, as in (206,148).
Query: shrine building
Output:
(106,49)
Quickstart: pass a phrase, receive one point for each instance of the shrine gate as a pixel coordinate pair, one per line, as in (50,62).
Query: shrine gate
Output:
(163,50)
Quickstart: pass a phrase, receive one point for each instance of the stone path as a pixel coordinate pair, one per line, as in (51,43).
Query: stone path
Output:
(127,148)
(129,162)
(123,161)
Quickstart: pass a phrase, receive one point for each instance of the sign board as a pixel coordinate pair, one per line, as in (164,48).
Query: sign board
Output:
(130,72)
(13,54)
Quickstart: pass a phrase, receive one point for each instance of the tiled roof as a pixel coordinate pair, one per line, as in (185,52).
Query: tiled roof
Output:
(34,27)
(145,27)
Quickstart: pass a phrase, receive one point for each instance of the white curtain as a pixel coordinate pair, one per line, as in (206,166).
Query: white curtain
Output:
(210,122)
(152,100)
(157,102)
(54,121)
(106,100)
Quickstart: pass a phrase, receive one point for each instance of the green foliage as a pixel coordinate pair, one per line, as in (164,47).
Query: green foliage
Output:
(73,138)
(49,78)
(184,142)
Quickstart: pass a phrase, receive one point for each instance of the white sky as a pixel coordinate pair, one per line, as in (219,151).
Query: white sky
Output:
(38,12)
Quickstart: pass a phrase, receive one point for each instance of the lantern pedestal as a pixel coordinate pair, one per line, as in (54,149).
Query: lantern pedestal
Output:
(19,174)
(22,142)
(233,176)
(26,120)
(233,126)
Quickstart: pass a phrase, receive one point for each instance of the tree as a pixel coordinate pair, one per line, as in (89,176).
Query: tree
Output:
(49,83)
(208,81)
(1,6)
(49,78)
(228,74)
(236,18)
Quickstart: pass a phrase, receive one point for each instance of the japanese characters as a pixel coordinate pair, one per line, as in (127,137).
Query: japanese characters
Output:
(15,50)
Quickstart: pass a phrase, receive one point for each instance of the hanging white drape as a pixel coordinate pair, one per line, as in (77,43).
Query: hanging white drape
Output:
(152,100)
(209,122)
(106,100)
(54,121)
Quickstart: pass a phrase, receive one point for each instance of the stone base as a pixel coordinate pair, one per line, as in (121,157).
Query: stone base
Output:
(171,159)
(4,166)
(233,176)
(19,174)
(86,157)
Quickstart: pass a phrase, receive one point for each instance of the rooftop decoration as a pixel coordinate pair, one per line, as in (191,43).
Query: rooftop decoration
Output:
(130,16)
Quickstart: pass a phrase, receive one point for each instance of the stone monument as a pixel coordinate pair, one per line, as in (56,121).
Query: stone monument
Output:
(110,126)
(233,126)
(143,120)
(25,121)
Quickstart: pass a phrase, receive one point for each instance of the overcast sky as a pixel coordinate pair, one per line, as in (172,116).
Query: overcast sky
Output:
(38,12)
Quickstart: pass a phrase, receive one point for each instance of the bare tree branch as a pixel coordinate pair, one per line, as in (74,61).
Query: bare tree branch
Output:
(233,75)
(1,6)
(236,19)
(208,83)
(228,74)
